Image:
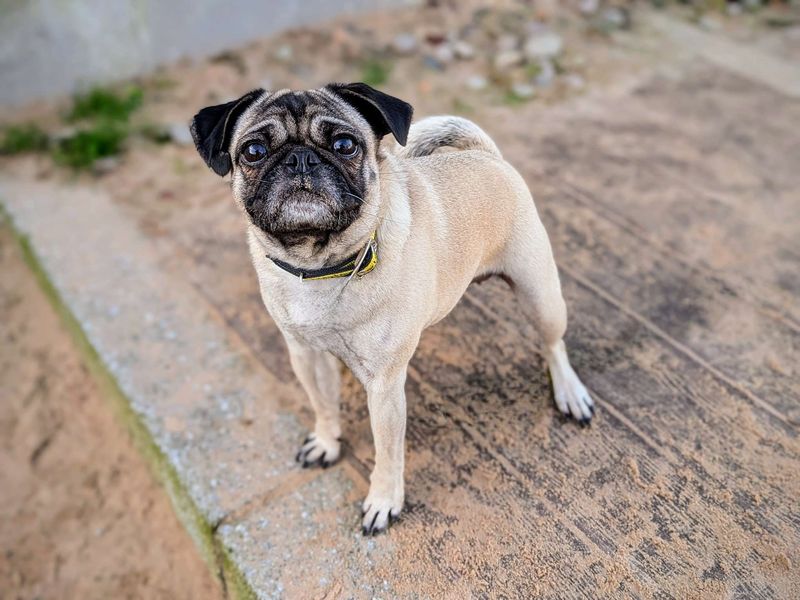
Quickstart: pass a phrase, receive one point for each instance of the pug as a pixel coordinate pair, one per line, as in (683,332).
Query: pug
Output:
(359,246)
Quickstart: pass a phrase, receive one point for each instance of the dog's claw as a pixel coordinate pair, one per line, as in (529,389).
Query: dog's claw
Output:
(375,527)
(376,518)
(317,452)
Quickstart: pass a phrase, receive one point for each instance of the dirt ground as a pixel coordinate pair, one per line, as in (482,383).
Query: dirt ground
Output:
(80,514)
(669,191)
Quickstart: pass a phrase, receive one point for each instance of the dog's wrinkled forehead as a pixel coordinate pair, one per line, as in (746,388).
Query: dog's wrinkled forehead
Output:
(218,130)
(287,116)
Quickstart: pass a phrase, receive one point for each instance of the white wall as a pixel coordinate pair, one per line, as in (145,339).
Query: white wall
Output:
(50,47)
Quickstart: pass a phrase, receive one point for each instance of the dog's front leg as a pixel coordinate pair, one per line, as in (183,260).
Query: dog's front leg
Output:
(318,373)
(386,398)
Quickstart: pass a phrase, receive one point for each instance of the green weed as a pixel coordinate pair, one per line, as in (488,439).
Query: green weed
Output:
(28,137)
(82,149)
(513,99)
(375,72)
(101,103)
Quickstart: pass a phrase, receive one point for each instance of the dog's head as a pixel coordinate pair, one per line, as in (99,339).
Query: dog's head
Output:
(305,164)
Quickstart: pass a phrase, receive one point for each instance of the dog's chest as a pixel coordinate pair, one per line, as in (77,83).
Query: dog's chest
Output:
(317,320)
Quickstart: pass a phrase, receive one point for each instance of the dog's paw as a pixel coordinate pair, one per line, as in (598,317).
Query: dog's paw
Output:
(319,451)
(571,396)
(379,513)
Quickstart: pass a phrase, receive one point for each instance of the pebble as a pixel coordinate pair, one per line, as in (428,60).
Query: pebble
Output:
(589,7)
(434,38)
(507,42)
(444,53)
(64,133)
(734,9)
(284,53)
(106,165)
(508,59)
(615,17)
(405,44)
(546,10)
(547,73)
(477,82)
(574,81)
(547,44)
(463,50)
(710,23)
(432,63)
(179,133)
(523,91)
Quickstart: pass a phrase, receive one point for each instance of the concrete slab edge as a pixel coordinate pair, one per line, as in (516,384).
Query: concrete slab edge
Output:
(203,533)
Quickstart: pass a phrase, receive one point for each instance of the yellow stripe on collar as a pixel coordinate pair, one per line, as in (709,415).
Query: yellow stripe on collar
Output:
(367,257)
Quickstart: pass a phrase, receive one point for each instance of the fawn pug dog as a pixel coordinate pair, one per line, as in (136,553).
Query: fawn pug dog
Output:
(358,248)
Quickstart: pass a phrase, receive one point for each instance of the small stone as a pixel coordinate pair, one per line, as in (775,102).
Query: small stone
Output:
(64,133)
(477,82)
(543,45)
(734,9)
(104,166)
(576,82)
(464,50)
(523,91)
(444,53)
(434,38)
(615,17)
(710,23)
(284,53)
(405,44)
(546,10)
(589,7)
(546,75)
(535,27)
(179,134)
(432,63)
(508,59)
(507,42)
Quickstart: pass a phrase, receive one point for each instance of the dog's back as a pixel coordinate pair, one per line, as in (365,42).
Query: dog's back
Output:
(432,133)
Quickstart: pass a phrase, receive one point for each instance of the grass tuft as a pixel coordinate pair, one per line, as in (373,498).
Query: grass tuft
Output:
(101,103)
(83,148)
(375,72)
(28,137)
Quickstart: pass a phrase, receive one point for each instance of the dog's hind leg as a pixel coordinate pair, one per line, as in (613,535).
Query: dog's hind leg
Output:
(318,373)
(529,265)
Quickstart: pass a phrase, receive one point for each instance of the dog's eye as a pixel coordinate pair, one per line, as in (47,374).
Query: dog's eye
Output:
(254,152)
(345,146)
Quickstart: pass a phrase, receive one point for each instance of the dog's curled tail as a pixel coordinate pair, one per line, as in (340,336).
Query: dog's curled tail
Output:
(432,133)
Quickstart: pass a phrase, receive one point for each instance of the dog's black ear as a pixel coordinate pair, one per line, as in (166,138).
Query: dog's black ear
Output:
(212,128)
(384,113)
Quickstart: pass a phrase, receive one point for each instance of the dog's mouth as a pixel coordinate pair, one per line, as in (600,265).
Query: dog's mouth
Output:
(302,212)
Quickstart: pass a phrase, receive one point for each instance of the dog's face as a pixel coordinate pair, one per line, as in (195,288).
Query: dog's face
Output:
(304,164)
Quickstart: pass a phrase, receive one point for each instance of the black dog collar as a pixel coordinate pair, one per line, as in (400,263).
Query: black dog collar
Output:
(359,264)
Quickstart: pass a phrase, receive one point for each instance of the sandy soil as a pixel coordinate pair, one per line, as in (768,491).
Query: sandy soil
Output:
(685,482)
(80,515)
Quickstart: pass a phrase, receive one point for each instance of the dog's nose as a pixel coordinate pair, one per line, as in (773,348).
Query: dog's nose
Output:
(301,161)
